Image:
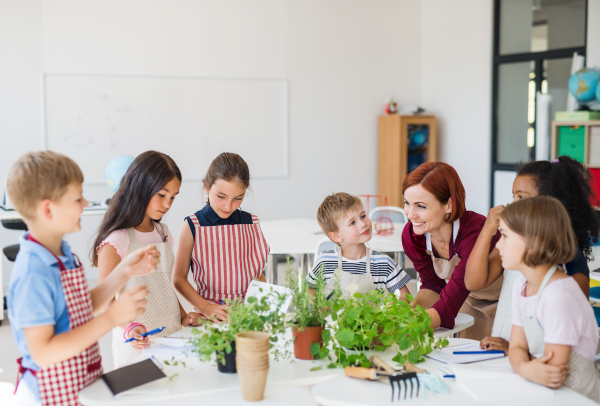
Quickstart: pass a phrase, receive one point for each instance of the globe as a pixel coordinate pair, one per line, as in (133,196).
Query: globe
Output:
(115,170)
(583,84)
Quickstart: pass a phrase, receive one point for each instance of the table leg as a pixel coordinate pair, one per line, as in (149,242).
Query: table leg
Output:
(271,268)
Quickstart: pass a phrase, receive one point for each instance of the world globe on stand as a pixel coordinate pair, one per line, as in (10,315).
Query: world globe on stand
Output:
(583,84)
(115,170)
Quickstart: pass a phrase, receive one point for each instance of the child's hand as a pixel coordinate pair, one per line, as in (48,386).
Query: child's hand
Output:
(128,306)
(493,221)
(539,371)
(139,343)
(495,344)
(141,261)
(191,319)
(215,312)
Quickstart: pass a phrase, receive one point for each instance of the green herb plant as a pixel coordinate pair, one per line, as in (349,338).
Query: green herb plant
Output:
(376,321)
(255,315)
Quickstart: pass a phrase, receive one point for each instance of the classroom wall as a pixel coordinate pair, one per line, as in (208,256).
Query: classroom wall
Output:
(342,58)
(456,87)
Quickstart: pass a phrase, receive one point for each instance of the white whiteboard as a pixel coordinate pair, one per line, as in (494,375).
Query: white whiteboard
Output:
(93,118)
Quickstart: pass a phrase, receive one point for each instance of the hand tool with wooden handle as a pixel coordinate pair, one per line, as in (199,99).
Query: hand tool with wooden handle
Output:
(395,378)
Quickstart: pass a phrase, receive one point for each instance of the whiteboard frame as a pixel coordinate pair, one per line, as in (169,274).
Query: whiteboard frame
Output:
(286,132)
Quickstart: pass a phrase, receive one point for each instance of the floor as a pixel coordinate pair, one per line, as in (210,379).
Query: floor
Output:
(9,352)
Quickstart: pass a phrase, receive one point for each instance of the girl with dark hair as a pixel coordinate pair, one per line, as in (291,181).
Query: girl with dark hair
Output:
(223,245)
(132,221)
(569,182)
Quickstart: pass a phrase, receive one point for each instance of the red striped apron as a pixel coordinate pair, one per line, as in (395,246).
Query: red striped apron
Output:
(227,258)
(60,383)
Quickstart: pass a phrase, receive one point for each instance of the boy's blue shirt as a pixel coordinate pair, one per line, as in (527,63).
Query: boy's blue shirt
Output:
(35,296)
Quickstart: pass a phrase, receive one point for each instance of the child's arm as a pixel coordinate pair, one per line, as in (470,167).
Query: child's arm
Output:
(46,348)
(140,262)
(549,370)
(183,286)
(484,267)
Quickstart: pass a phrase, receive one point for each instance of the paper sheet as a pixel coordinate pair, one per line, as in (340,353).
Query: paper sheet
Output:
(446,355)
(254,290)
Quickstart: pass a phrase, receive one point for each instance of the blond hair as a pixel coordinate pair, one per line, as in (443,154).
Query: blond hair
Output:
(546,226)
(333,207)
(37,176)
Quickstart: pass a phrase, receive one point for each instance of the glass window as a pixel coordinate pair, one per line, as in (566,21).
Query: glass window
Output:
(555,80)
(541,25)
(516,111)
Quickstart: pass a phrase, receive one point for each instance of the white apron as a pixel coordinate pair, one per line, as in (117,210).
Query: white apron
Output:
(583,374)
(162,308)
(347,282)
(503,321)
(481,304)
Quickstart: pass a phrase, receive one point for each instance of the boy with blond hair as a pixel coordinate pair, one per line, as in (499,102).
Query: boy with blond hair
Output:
(352,266)
(50,308)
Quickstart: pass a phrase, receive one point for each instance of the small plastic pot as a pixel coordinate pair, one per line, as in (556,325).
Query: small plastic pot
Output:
(303,340)
(229,367)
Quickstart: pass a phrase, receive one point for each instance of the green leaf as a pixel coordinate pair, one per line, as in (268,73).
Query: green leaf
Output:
(399,358)
(251,299)
(409,297)
(414,356)
(405,343)
(354,314)
(389,327)
(315,348)
(320,367)
(386,340)
(345,337)
(445,342)
(326,335)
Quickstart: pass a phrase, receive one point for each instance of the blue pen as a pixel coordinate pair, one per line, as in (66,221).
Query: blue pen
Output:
(222,302)
(148,333)
(478,352)
(449,376)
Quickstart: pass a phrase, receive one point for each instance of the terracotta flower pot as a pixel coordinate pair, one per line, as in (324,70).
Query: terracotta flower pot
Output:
(303,339)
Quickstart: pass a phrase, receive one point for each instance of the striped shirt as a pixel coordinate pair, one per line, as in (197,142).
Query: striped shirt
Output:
(386,273)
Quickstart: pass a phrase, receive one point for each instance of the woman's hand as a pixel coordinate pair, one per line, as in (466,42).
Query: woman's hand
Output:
(141,261)
(191,319)
(140,342)
(492,221)
(495,344)
(539,371)
(215,312)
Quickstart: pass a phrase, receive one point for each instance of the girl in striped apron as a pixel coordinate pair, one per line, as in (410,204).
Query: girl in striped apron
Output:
(223,245)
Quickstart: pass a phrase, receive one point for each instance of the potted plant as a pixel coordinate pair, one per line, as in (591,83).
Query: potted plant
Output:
(374,322)
(252,315)
(310,309)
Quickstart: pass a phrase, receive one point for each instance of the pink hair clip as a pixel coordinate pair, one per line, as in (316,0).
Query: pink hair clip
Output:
(554,161)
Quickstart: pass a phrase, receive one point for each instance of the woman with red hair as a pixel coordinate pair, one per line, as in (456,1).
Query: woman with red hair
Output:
(438,240)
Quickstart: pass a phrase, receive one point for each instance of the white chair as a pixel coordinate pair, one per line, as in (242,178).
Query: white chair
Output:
(324,244)
(396,214)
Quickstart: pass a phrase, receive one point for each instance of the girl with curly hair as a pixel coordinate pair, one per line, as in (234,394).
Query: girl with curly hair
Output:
(564,179)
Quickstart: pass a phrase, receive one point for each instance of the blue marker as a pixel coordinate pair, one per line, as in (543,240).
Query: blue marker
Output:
(146,334)
(222,302)
(478,352)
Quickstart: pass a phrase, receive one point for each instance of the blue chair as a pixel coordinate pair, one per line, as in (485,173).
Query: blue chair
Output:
(595,294)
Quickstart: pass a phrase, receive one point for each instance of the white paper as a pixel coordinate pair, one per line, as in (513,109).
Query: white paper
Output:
(159,348)
(254,290)
(446,355)
(172,341)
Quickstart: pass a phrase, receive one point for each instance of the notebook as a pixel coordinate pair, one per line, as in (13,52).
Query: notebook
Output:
(169,346)
(140,378)
(446,355)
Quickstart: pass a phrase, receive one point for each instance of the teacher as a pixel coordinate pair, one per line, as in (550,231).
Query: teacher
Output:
(438,240)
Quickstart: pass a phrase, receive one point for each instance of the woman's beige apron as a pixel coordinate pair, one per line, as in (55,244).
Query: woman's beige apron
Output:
(481,304)
(583,373)
(347,282)
(162,308)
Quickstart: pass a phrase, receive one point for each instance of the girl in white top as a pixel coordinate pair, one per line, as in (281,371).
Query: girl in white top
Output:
(132,221)
(553,322)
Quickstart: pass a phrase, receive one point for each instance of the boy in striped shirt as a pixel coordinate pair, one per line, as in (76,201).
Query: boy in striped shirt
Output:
(343,219)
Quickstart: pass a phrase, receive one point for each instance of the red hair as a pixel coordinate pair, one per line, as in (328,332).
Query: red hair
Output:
(442,181)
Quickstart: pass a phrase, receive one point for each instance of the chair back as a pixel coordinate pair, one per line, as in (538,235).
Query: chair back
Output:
(396,214)
(324,244)
(15,224)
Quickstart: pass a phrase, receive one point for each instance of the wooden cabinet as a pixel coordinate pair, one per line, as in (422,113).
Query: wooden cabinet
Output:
(404,143)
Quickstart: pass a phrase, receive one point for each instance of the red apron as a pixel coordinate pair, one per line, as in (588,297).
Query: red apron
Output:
(227,258)
(59,384)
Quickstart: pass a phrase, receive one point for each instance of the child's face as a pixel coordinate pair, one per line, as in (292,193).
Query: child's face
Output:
(511,247)
(225,197)
(424,210)
(354,227)
(63,215)
(523,188)
(161,202)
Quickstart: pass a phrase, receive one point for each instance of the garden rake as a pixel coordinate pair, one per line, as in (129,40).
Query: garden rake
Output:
(398,380)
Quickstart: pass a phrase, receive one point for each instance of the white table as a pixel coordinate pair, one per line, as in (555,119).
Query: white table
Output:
(300,236)
(201,379)
(14,215)
(344,391)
